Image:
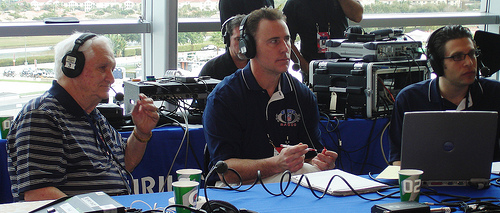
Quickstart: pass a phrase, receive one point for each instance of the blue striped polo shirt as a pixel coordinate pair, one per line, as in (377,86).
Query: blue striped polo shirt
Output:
(54,142)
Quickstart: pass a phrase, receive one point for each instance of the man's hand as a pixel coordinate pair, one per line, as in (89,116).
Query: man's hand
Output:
(325,160)
(292,158)
(145,115)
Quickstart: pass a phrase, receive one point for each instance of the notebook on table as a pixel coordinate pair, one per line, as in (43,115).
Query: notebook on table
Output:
(319,182)
(453,148)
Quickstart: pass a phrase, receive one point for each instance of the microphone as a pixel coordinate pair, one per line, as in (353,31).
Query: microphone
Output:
(118,95)
(220,167)
(295,67)
(485,71)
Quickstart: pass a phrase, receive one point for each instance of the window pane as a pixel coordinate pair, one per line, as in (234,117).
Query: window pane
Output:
(23,11)
(196,48)
(27,63)
(419,6)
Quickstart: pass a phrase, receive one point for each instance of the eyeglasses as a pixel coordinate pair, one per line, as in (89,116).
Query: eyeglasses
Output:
(461,56)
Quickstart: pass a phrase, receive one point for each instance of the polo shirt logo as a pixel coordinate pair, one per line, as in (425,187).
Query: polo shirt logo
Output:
(288,117)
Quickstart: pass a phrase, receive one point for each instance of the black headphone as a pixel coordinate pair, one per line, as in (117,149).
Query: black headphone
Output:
(358,34)
(73,61)
(247,42)
(434,59)
(225,35)
(219,206)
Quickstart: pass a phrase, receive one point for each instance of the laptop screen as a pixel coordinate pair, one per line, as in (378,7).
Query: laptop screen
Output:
(451,147)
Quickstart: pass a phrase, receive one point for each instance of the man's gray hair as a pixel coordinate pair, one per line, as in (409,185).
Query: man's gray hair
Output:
(67,45)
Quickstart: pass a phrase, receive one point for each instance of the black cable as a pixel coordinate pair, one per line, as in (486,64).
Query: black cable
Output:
(368,146)
(495,182)
(188,147)
(329,121)
(346,153)
(161,188)
(283,189)
(194,155)
(185,207)
(374,179)
(175,101)
(338,144)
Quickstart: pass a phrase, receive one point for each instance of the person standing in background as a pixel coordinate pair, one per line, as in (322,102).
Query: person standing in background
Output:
(315,21)
(230,8)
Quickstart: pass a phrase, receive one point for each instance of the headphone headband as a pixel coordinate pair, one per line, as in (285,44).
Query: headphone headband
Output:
(224,32)
(242,24)
(81,40)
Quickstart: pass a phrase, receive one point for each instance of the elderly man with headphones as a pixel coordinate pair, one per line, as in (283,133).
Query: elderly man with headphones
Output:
(259,108)
(452,54)
(60,144)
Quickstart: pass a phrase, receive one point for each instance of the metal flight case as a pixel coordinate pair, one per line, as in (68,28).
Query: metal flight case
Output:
(358,89)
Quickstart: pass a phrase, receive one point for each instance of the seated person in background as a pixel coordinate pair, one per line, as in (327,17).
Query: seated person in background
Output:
(227,63)
(60,144)
(452,55)
(255,110)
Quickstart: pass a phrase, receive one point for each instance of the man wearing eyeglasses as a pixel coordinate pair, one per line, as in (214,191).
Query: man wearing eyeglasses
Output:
(452,54)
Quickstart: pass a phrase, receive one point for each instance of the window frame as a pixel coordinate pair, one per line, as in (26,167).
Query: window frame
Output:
(161,25)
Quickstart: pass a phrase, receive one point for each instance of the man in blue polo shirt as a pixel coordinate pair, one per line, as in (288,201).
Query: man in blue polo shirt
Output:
(60,144)
(452,54)
(254,111)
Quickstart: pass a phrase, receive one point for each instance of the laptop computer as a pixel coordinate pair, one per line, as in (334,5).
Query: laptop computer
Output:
(453,148)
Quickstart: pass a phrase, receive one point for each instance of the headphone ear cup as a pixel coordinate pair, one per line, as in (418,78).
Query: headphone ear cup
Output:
(72,64)
(247,46)
(357,34)
(219,206)
(74,61)
(436,66)
(355,29)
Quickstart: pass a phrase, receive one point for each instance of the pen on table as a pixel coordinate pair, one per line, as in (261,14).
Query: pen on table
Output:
(308,149)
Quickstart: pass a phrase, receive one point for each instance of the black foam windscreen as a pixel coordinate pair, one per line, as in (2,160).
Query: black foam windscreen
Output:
(118,95)
(489,45)
(485,71)
(221,167)
(218,206)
